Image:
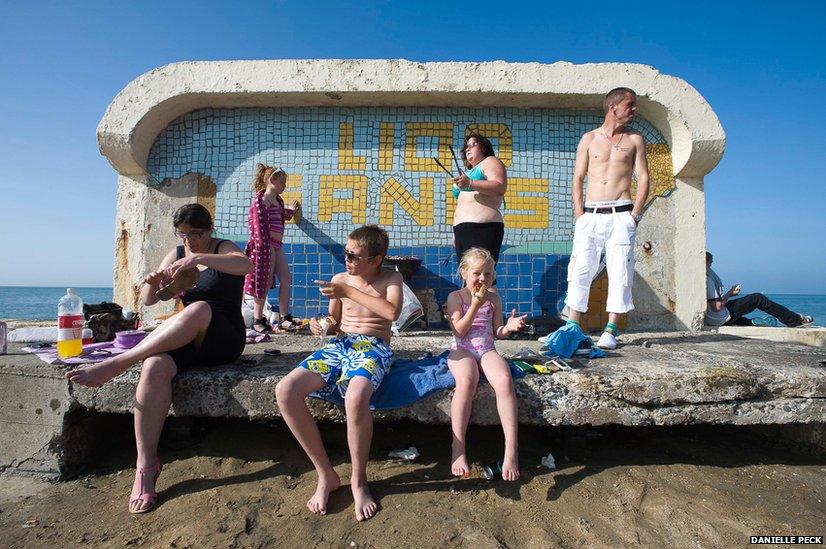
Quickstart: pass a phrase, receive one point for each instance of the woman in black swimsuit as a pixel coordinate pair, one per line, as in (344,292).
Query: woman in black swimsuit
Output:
(209,331)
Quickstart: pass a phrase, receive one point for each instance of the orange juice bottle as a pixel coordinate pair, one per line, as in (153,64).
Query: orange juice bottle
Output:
(69,325)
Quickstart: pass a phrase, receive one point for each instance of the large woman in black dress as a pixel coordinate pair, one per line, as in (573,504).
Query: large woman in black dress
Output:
(209,331)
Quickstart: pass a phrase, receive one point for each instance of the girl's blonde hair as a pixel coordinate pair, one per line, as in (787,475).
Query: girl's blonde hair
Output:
(262,175)
(473,255)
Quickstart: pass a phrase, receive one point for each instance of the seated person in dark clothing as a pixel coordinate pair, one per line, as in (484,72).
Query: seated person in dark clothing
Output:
(208,331)
(724,311)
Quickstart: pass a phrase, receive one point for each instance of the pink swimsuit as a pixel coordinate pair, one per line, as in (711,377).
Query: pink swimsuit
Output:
(479,339)
(277,214)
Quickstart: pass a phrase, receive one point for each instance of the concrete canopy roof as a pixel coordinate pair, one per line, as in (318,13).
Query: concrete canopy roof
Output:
(149,103)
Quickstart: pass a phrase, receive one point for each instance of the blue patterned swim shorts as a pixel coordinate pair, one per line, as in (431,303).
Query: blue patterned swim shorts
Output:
(347,356)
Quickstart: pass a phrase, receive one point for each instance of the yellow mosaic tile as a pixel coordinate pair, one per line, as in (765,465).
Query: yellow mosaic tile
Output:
(660,171)
(533,209)
(293,191)
(504,150)
(346,140)
(596,317)
(386,134)
(206,193)
(393,192)
(356,205)
(415,130)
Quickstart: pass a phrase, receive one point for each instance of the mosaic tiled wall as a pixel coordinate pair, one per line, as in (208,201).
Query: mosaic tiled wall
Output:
(374,165)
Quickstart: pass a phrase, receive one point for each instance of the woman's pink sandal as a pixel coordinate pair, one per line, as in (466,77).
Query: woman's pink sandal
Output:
(150,498)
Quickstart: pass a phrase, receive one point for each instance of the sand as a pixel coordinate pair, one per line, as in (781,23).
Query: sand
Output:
(242,484)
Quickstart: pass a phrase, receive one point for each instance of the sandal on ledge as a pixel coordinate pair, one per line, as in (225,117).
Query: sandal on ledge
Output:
(287,323)
(261,325)
(150,498)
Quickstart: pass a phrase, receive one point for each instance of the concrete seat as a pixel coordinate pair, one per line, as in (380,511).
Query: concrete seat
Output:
(652,379)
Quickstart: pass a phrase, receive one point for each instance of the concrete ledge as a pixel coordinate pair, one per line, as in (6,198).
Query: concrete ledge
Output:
(654,379)
(814,336)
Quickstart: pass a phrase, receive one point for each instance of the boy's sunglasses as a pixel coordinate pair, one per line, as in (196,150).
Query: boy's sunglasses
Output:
(350,257)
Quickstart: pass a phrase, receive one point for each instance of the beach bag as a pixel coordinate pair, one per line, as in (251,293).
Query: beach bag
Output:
(104,326)
(90,309)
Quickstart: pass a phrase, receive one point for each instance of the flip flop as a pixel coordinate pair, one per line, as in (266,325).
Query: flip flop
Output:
(145,497)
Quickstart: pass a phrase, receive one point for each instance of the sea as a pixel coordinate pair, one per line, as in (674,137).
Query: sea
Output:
(40,303)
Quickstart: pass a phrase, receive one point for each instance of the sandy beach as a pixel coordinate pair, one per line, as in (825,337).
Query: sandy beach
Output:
(241,484)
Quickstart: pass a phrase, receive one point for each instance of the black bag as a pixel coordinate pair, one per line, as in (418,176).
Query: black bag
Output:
(105,325)
(90,309)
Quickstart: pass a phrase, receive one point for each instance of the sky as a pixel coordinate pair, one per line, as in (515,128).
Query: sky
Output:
(760,65)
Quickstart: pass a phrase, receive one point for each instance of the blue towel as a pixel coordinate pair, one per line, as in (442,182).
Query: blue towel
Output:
(567,339)
(409,381)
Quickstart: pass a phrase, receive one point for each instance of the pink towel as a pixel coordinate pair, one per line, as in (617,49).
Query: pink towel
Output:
(95,352)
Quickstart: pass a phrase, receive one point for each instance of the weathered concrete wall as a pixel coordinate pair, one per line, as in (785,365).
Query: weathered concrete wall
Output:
(669,297)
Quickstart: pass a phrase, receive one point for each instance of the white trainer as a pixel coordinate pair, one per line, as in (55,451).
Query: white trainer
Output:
(607,341)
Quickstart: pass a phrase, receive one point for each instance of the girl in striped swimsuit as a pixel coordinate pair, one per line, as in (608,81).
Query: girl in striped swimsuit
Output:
(265,220)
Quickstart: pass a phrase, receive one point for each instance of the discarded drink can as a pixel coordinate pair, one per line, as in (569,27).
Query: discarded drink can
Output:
(492,470)
(4,338)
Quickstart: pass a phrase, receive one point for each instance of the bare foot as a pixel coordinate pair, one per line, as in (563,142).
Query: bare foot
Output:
(327,482)
(95,375)
(459,465)
(365,505)
(510,466)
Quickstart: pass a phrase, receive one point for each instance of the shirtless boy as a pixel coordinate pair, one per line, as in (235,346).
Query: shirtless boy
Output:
(364,301)
(608,219)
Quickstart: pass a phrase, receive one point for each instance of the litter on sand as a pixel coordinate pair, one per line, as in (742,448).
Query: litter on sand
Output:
(407,454)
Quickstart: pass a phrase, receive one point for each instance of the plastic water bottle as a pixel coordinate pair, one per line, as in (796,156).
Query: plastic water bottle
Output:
(69,325)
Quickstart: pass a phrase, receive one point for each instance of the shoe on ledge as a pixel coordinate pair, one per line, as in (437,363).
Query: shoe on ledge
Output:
(607,341)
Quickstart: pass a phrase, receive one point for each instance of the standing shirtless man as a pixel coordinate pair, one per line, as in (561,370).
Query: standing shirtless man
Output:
(608,155)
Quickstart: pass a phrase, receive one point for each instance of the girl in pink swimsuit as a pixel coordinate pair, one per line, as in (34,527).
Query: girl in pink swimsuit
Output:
(266,218)
(475,314)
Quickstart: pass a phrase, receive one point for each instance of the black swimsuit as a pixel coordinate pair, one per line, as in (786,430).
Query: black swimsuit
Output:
(226,334)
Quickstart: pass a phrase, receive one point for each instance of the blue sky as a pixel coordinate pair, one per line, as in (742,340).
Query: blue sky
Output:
(761,66)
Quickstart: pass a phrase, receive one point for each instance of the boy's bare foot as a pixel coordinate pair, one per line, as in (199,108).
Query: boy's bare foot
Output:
(95,375)
(458,463)
(510,466)
(365,505)
(327,483)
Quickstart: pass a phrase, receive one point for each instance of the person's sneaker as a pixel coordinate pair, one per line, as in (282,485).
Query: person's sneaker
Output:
(607,341)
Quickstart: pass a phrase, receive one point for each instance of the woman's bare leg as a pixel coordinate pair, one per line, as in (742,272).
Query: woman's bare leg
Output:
(152,399)
(185,327)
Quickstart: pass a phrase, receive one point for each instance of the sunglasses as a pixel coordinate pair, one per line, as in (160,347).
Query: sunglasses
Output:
(350,257)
